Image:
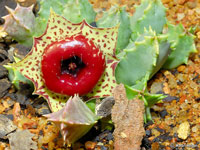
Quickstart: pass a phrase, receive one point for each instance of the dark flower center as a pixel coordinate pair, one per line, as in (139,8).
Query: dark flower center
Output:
(72,65)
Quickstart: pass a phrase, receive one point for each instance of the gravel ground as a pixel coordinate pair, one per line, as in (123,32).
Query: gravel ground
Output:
(175,121)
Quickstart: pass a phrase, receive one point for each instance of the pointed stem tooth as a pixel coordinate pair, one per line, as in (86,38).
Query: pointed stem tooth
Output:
(31,7)
(5,17)
(18,6)
(10,11)
(47,115)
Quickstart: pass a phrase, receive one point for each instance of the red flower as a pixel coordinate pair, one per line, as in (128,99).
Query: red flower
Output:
(85,70)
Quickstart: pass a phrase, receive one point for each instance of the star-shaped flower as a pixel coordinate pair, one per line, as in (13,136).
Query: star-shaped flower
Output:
(63,53)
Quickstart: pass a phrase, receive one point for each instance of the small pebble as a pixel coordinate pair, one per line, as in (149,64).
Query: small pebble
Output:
(184,130)
(156,87)
(89,145)
(197,99)
(3,71)
(195,129)
(148,133)
(155,132)
(163,113)
(170,98)
(181,68)
(180,16)
(192,4)
(155,146)
(4,86)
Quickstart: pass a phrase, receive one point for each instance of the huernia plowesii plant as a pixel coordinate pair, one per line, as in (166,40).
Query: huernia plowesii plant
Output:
(154,44)
(117,15)
(73,10)
(74,120)
(17,79)
(71,59)
(20,24)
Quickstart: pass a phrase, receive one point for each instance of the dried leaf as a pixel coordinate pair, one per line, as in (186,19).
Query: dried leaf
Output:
(104,107)
(16,112)
(6,126)
(22,140)
(127,116)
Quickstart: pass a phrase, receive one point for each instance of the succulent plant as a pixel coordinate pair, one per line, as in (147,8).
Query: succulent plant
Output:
(22,25)
(44,12)
(65,58)
(19,26)
(150,49)
(149,13)
(182,45)
(139,63)
(81,9)
(117,15)
(145,53)
(74,120)
(16,77)
(70,59)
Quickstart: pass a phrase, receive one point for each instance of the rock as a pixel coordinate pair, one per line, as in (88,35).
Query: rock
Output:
(163,113)
(11,54)
(3,72)
(90,145)
(155,146)
(192,4)
(104,108)
(183,130)
(4,86)
(43,110)
(170,98)
(6,126)
(21,51)
(9,116)
(180,16)
(197,99)
(156,87)
(2,45)
(155,132)
(127,116)
(3,55)
(22,140)
(21,98)
(105,135)
(180,2)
